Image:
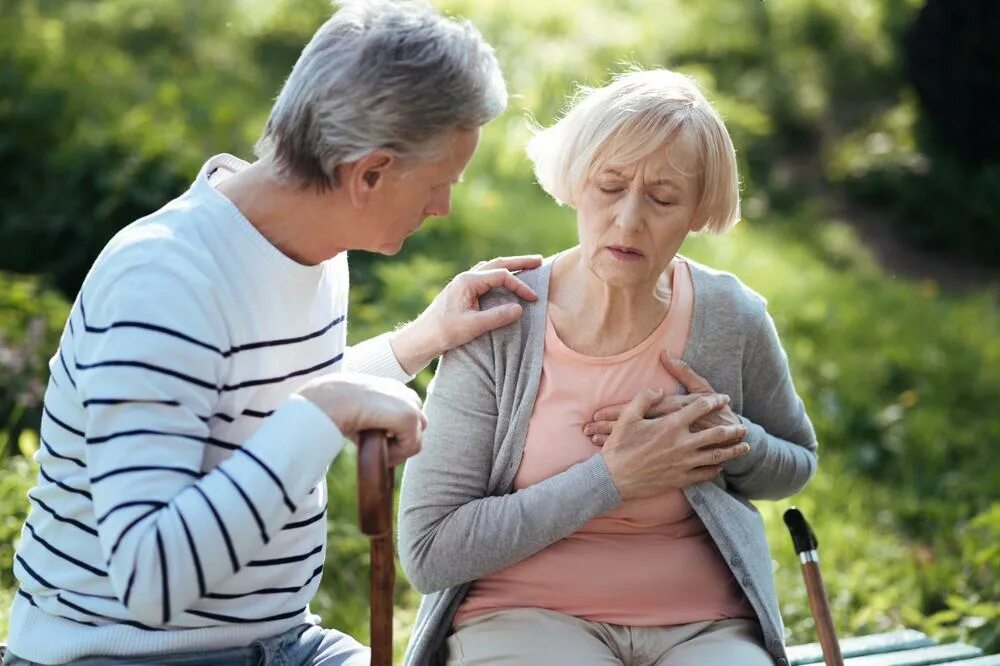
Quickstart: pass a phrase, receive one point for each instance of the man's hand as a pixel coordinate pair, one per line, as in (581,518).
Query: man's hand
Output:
(454,318)
(604,419)
(357,402)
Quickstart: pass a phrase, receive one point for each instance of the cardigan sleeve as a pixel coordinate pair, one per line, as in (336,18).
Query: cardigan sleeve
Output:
(782,442)
(451,530)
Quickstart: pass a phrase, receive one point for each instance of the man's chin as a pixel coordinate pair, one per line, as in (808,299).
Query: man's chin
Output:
(389,249)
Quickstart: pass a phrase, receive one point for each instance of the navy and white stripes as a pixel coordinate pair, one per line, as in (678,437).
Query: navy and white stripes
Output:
(182,483)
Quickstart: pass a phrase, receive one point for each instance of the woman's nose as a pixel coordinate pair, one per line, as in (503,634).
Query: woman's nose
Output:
(630,213)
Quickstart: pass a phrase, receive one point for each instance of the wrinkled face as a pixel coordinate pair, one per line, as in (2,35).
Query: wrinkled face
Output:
(412,194)
(633,218)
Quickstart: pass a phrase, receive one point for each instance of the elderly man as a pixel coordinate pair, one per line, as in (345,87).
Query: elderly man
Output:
(197,396)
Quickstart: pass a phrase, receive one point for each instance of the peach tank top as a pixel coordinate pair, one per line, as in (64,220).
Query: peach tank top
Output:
(649,562)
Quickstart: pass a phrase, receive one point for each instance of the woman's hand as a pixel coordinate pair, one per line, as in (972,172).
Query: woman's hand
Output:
(650,456)
(604,419)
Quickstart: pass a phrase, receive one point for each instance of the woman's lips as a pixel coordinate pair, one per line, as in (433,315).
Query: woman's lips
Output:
(624,253)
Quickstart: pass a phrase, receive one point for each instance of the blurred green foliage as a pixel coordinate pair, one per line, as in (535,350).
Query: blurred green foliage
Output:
(31,319)
(107,109)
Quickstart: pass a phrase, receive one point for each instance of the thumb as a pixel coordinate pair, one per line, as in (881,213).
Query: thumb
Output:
(487,320)
(636,409)
(682,372)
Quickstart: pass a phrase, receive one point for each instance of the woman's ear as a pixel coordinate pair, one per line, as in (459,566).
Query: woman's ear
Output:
(698,221)
(367,175)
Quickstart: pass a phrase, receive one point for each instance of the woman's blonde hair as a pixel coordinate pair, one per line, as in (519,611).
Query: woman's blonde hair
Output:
(638,113)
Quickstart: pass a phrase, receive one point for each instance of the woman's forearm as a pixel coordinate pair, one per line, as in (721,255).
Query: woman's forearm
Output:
(446,539)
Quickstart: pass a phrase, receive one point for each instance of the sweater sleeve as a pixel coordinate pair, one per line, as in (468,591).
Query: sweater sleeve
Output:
(451,530)
(151,355)
(782,455)
(375,357)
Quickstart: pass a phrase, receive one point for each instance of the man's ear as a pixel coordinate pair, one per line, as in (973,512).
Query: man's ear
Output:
(366,175)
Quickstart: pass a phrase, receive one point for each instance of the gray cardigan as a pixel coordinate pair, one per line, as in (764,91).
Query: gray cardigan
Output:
(459,518)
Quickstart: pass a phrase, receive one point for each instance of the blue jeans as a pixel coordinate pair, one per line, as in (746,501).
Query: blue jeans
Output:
(305,645)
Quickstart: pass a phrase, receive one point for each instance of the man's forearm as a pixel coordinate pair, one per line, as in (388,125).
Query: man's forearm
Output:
(379,356)
(415,346)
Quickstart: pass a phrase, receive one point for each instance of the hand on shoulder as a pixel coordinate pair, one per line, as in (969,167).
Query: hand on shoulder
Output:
(453,318)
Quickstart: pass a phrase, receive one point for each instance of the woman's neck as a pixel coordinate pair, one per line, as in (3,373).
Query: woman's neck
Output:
(595,318)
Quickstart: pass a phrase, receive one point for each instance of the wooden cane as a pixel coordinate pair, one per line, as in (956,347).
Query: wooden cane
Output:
(807,547)
(375,485)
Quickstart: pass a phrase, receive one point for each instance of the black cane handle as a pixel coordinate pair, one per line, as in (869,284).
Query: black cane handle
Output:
(803,538)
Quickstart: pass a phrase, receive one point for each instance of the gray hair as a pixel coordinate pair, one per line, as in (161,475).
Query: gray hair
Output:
(386,74)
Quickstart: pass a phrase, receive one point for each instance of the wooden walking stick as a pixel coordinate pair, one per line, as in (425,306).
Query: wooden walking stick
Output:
(375,485)
(807,547)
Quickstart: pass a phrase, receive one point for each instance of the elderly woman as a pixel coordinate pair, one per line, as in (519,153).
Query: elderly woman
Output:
(543,536)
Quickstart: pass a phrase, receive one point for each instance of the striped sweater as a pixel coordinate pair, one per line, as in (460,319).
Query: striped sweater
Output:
(181,497)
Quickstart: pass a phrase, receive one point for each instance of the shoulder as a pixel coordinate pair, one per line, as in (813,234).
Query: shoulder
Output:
(724,293)
(511,342)
(533,317)
(159,251)
(154,274)
(536,278)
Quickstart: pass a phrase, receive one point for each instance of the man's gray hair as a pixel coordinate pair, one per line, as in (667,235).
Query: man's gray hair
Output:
(383,74)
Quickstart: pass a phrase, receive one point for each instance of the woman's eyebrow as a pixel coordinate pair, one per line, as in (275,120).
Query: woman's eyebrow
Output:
(659,181)
(666,181)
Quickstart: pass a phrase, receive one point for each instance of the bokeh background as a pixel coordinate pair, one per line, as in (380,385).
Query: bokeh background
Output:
(869,143)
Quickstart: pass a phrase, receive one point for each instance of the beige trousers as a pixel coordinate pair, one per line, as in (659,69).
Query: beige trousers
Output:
(537,637)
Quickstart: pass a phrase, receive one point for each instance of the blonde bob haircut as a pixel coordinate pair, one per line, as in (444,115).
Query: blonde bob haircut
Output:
(638,113)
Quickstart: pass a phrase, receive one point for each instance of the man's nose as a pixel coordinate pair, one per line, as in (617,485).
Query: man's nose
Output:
(439,205)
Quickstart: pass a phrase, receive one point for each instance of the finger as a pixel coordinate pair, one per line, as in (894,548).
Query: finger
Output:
(683,373)
(724,454)
(613,412)
(599,440)
(636,409)
(487,320)
(704,404)
(519,263)
(609,413)
(597,428)
(404,445)
(671,404)
(704,473)
(483,280)
(719,435)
